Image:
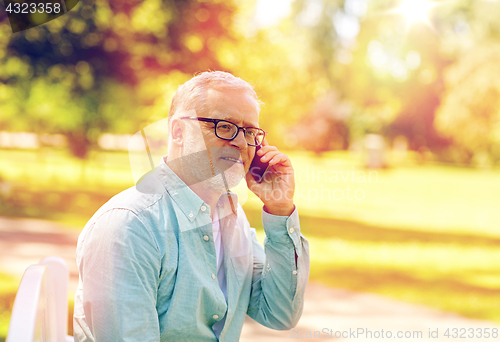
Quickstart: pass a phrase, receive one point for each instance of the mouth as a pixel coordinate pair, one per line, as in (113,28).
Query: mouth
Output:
(233,160)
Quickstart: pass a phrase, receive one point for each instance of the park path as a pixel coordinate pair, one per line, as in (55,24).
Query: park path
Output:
(327,310)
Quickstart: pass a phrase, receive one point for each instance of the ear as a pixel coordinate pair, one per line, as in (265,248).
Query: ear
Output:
(178,132)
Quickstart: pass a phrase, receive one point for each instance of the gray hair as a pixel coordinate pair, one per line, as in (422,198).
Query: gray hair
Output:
(193,93)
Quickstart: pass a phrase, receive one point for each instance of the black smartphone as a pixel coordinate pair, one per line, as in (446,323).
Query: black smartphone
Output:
(258,168)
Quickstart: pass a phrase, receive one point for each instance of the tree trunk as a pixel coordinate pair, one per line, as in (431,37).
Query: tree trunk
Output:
(79,144)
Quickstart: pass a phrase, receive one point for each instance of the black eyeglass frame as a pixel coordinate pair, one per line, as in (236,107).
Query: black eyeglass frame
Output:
(216,121)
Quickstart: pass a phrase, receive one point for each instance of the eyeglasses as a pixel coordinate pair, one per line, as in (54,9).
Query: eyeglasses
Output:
(226,130)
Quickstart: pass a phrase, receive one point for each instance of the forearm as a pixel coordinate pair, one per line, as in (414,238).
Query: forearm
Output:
(280,279)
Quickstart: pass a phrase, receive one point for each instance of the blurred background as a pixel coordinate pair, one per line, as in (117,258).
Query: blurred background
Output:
(389,110)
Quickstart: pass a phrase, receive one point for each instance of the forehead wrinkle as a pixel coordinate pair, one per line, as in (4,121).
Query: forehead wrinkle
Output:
(213,101)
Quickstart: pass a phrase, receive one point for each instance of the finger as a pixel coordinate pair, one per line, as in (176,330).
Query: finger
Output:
(279,165)
(280,158)
(264,149)
(269,155)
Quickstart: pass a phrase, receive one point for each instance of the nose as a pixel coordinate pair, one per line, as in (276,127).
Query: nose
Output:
(239,141)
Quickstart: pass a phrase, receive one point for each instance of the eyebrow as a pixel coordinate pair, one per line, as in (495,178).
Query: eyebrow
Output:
(228,118)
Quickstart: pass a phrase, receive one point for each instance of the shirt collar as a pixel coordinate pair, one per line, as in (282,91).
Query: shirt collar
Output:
(189,202)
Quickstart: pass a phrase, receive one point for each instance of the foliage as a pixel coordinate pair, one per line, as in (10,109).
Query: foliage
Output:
(471,109)
(324,128)
(77,74)
(391,72)
(114,67)
(365,54)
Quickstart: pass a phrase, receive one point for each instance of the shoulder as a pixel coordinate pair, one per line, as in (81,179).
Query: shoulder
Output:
(145,195)
(130,212)
(128,203)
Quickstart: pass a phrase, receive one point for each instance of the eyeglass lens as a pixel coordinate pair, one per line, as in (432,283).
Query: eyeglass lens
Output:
(227,130)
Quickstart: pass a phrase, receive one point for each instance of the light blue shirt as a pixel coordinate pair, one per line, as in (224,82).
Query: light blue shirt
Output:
(148,269)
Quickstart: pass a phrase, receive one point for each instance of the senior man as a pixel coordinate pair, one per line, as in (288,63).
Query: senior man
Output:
(174,258)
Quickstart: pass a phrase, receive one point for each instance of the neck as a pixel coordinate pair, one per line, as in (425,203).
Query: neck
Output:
(209,196)
(207,193)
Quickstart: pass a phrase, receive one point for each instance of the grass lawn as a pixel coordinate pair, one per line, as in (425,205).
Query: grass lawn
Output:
(450,271)
(427,234)
(429,198)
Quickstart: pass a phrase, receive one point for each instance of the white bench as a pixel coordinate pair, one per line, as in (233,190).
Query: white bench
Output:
(40,311)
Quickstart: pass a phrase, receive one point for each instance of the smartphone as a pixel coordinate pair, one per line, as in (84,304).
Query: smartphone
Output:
(258,168)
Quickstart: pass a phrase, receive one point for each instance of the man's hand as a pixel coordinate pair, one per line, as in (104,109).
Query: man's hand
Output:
(278,186)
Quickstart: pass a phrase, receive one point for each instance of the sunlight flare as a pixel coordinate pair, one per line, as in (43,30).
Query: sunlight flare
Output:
(415,10)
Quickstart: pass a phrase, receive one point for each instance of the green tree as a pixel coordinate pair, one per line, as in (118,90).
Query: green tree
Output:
(86,72)
(470,111)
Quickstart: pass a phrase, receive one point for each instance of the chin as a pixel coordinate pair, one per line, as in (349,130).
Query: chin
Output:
(233,178)
(218,183)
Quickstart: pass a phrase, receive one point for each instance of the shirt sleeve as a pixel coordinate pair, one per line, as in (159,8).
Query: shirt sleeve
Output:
(280,273)
(119,266)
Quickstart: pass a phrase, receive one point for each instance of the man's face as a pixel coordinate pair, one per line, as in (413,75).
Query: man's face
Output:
(231,157)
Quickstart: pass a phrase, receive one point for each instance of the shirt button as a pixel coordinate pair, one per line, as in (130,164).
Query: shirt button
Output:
(291,230)
(213,276)
(215,316)
(191,215)
(206,238)
(203,208)
(294,272)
